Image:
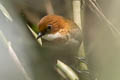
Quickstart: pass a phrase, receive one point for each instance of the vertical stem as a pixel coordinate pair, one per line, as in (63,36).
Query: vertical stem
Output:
(76,12)
(77,20)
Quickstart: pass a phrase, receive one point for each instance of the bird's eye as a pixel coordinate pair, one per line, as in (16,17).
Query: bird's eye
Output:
(49,27)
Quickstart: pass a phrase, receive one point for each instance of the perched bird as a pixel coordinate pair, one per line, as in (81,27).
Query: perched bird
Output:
(61,37)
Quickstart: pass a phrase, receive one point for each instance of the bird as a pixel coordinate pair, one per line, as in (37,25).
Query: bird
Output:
(61,38)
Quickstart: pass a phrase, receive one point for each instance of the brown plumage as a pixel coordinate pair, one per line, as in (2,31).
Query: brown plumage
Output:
(58,23)
(61,37)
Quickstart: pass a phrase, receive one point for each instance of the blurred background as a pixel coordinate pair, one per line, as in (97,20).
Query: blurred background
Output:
(20,53)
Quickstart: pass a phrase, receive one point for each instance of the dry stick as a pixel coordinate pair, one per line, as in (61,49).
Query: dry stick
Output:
(77,12)
(92,5)
(77,20)
(66,71)
(35,35)
(15,57)
(17,61)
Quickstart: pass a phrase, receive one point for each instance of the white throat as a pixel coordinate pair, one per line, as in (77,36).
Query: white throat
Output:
(51,37)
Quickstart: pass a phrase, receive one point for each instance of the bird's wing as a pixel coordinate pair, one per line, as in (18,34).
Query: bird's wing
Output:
(75,33)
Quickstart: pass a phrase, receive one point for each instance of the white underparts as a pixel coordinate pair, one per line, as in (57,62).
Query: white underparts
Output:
(51,37)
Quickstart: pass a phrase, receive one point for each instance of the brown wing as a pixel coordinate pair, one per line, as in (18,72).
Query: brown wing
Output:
(75,33)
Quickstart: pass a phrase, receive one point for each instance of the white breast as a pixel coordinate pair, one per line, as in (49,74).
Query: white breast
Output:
(51,37)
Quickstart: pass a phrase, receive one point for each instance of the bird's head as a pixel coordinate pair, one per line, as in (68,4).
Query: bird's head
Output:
(52,27)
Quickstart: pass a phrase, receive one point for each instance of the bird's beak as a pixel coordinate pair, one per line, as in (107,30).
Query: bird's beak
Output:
(39,35)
